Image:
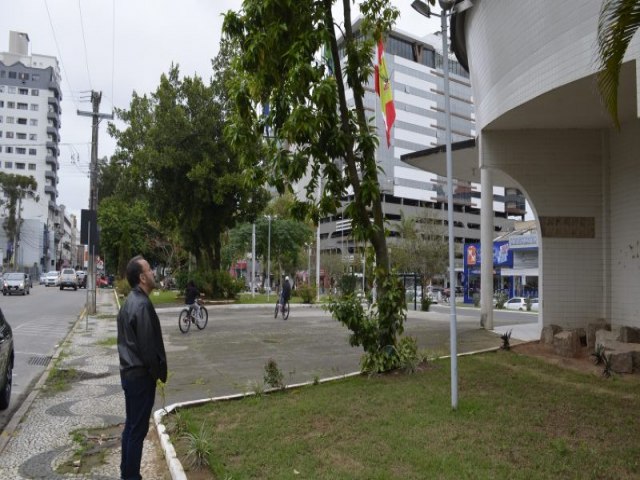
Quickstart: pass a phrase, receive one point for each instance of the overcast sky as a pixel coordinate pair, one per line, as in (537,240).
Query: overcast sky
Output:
(116,47)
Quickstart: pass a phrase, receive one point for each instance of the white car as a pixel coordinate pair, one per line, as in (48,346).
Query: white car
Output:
(520,303)
(52,279)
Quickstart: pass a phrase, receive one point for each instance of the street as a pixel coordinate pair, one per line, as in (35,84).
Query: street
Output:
(40,321)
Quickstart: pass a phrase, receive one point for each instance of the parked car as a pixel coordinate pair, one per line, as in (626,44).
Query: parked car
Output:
(43,279)
(68,279)
(52,279)
(6,362)
(520,303)
(15,282)
(81,276)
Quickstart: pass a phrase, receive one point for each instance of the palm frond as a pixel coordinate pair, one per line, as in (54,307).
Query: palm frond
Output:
(618,22)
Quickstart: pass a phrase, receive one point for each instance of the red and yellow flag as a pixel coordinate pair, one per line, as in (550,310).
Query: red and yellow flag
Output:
(383,89)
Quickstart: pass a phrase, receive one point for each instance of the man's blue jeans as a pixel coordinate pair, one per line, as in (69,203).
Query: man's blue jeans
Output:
(139,395)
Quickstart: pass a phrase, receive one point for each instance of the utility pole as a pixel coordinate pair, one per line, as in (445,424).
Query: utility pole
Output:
(96,116)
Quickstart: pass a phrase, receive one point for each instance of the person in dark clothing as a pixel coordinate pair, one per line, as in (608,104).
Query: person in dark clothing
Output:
(191,295)
(142,363)
(286,291)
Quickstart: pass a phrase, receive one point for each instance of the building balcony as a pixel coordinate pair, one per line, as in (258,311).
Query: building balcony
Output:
(55,117)
(53,161)
(51,175)
(53,146)
(49,190)
(55,88)
(54,131)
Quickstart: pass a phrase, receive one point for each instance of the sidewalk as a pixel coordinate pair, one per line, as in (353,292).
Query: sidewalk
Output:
(39,436)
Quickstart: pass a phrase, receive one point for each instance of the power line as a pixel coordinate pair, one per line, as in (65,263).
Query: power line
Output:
(84,42)
(55,39)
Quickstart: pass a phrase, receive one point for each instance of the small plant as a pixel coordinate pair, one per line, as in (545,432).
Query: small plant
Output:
(316,380)
(307,293)
(408,354)
(501,298)
(255,387)
(506,337)
(273,376)
(527,303)
(425,305)
(179,425)
(199,448)
(599,355)
(161,388)
(606,371)
(108,342)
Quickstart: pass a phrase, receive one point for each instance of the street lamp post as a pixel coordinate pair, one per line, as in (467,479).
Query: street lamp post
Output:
(423,9)
(269,217)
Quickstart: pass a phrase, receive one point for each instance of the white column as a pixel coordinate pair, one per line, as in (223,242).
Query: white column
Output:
(486,246)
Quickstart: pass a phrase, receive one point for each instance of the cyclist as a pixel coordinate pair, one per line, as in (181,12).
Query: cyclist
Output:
(191,295)
(286,291)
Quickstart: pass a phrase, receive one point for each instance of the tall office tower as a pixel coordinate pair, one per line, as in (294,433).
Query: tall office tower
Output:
(30,112)
(415,69)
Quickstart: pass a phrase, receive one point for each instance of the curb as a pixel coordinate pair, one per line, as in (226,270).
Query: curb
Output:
(19,414)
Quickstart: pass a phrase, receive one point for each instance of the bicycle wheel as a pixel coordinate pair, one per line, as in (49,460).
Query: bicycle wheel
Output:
(277,310)
(285,311)
(202,318)
(184,321)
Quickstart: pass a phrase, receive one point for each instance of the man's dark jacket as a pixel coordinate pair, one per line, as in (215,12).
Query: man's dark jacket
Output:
(140,344)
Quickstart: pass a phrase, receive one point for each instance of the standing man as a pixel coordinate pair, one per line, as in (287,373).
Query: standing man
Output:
(142,363)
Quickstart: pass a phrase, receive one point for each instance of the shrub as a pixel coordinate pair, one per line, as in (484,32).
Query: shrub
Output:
(273,376)
(506,337)
(122,286)
(376,330)
(214,284)
(476,299)
(347,284)
(306,292)
(501,299)
(426,303)
(199,448)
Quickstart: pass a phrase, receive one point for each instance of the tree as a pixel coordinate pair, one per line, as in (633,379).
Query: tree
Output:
(15,188)
(291,119)
(174,150)
(619,20)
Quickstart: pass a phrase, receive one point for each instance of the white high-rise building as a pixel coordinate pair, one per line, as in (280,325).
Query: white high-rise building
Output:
(30,96)
(417,81)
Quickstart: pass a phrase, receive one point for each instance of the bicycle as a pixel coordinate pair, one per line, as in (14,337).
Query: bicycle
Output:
(188,316)
(284,309)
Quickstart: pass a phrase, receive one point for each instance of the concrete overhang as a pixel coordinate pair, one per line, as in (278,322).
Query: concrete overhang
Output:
(464,159)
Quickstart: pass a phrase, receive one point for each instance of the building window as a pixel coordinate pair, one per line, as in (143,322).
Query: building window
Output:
(33,136)
(13,75)
(1,103)
(8,164)
(32,166)
(22,121)
(23,91)
(11,104)
(21,136)
(35,92)
(33,151)
(10,120)
(21,150)
(35,77)
(34,107)
(11,90)
(33,122)
(23,76)
(23,106)
(9,135)
(8,149)
(20,165)
(3,74)
(0,133)
(0,118)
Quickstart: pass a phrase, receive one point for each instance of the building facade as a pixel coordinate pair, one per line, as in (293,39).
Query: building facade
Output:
(30,96)
(541,122)
(415,66)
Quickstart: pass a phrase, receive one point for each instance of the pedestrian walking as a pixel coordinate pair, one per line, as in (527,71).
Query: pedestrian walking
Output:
(142,362)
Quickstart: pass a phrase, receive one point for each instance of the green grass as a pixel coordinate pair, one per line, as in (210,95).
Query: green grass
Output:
(108,342)
(158,297)
(246,298)
(518,418)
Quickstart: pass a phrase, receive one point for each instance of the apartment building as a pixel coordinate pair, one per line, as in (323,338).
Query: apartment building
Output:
(30,97)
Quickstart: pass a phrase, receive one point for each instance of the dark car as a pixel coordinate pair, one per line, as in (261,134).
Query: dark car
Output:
(6,362)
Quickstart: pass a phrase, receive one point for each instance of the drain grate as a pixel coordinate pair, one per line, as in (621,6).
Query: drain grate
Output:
(41,360)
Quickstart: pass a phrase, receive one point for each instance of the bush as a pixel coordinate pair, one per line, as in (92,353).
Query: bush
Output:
(426,303)
(214,284)
(306,292)
(122,286)
(347,284)
(501,299)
